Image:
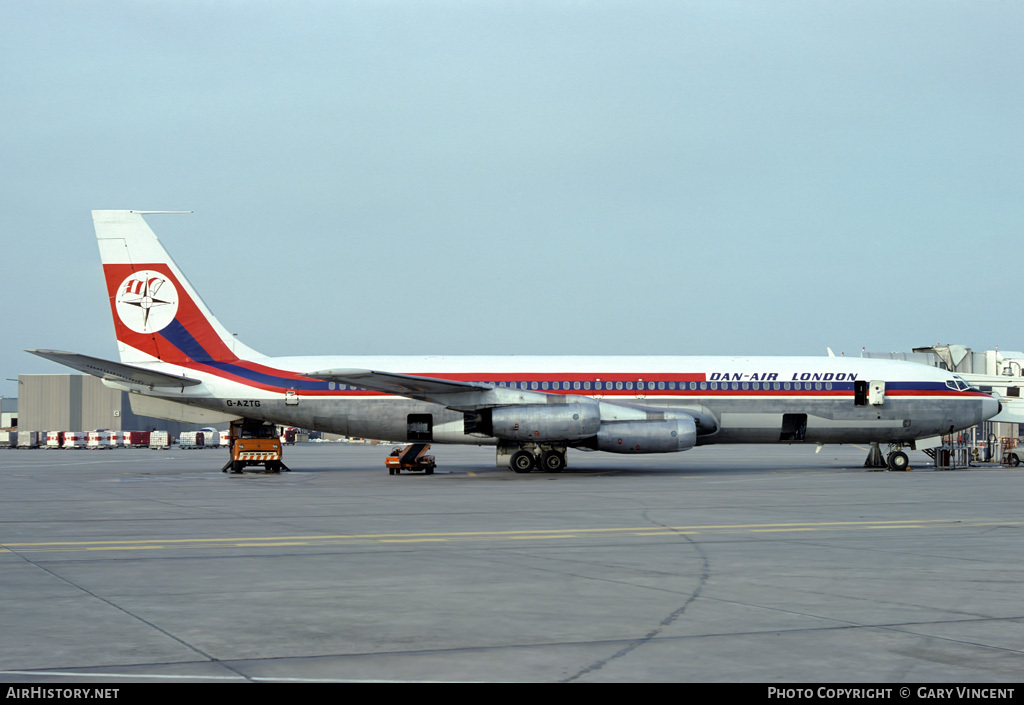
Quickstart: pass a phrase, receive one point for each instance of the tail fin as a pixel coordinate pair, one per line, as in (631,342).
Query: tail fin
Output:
(157,314)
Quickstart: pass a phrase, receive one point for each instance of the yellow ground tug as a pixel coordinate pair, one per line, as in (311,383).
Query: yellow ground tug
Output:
(254,443)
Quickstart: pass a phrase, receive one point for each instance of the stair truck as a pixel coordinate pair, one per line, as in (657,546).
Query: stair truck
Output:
(412,458)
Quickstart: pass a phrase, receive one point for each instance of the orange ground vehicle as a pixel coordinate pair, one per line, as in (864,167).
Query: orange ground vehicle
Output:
(254,443)
(412,458)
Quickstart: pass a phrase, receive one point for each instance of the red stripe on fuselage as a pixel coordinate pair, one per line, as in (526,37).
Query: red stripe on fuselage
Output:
(286,375)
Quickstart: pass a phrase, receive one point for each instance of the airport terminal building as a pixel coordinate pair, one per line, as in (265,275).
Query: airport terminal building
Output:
(996,372)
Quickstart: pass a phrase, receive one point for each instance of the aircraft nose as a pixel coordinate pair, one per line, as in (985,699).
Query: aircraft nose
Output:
(990,407)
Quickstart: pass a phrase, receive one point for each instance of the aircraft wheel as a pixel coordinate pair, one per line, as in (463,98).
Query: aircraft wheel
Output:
(898,461)
(522,461)
(552,461)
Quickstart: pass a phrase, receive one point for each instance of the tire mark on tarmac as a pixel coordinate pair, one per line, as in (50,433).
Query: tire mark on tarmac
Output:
(705,573)
(119,608)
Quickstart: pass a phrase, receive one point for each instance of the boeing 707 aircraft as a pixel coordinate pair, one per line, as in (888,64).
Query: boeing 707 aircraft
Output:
(178,362)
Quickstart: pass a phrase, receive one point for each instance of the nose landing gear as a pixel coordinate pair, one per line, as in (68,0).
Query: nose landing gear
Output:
(896,460)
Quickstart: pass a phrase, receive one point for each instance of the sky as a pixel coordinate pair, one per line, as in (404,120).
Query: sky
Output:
(449,177)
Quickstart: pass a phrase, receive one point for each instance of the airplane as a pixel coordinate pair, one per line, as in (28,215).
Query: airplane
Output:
(178,362)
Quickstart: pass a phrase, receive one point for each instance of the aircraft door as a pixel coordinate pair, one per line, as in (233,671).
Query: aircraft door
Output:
(860,393)
(876,392)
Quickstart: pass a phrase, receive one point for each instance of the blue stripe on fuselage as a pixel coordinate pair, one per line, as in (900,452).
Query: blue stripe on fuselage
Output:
(179,337)
(305,385)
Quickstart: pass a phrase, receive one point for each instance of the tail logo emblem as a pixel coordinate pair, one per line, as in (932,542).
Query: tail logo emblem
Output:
(146,301)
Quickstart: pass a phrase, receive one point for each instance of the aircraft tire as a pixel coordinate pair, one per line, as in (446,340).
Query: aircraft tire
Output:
(898,461)
(552,461)
(522,461)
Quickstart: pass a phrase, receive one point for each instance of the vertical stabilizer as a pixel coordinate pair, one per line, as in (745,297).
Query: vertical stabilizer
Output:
(157,314)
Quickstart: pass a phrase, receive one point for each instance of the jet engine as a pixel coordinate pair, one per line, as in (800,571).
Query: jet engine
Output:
(667,436)
(539,423)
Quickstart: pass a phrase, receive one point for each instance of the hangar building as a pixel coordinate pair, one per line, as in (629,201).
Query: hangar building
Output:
(72,402)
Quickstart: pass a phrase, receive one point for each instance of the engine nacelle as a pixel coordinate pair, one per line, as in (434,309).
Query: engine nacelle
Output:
(541,422)
(668,436)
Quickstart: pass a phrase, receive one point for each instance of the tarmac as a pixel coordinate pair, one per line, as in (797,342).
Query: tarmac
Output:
(737,564)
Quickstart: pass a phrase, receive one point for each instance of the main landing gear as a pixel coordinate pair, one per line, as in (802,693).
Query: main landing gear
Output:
(523,459)
(896,460)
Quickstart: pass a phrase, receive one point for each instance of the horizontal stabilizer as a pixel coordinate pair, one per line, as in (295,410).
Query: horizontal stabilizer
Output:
(410,386)
(115,371)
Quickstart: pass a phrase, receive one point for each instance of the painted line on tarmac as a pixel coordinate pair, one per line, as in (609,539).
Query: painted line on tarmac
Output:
(312,541)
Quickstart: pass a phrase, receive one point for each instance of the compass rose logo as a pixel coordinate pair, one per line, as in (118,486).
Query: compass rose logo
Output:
(146,301)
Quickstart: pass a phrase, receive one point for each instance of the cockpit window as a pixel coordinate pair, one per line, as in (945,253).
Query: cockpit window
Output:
(957,384)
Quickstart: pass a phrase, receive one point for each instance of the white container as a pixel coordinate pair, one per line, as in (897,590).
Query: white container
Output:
(75,439)
(100,439)
(192,439)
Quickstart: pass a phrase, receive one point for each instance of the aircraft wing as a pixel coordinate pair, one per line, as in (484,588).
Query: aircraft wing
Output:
(412,386)
(474,396)
(453,394)
(115,371)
